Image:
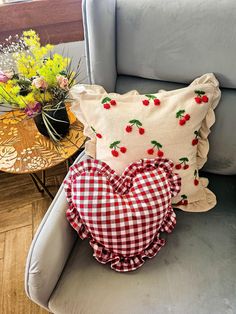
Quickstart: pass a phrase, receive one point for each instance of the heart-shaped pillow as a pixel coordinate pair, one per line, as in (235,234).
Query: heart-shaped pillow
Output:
(123,215)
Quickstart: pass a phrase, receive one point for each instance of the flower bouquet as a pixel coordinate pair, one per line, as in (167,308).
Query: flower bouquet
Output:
(37,82)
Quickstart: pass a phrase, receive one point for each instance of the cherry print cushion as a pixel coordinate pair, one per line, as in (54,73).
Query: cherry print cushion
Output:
(172,124)
(122,215)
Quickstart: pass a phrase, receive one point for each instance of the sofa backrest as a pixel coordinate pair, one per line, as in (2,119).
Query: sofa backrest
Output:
(177,40)
(168,41)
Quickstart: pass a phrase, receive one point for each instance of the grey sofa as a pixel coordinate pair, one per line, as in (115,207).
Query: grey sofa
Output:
(150,45)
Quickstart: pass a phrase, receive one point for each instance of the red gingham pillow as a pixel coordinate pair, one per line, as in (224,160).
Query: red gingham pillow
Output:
(123,215)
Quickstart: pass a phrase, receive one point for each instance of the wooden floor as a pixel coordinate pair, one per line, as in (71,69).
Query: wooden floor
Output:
(22,208)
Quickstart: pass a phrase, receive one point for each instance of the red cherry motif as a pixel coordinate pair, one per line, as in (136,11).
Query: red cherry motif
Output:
(113,102)
(115,153)
(106,106)
(183,118)
(157,102)
(145,102)
(182,121)
(198,100)
(128,129)
(182,164)
(187,117)
(153,98)
(98,135)
(183,201)
(195,140)
(136,123)
(195,181)
(107,102)
(150,151)
(123,149)
(201,97)
(157,145)
(115,146)
(141,131)
(204,98)
(178,166)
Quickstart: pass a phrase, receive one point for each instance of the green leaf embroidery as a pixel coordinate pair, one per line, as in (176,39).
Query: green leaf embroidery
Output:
(136,122)
(150,96)
(195,173)
(183,196)
(183,159)
(199,92)
(196,133)
(105,100)
(114,144)
(93,129)
(180,113)
(154,143)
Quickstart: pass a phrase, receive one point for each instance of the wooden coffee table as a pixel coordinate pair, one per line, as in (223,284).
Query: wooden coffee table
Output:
(24,150)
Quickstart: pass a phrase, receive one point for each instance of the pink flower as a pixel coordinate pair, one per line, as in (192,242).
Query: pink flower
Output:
(9,74)
(3,77)
(62,82)
(39,82)
(32,109)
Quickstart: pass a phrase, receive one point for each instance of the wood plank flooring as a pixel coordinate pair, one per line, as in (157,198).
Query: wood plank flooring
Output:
(22,208)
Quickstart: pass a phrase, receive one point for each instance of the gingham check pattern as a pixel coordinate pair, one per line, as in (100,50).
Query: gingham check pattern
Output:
(122,215)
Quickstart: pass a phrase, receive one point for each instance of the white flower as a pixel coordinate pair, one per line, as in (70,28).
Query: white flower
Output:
(39,82)
(62,82)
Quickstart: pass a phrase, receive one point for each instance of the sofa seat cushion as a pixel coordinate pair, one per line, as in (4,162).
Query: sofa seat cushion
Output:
(222,154)
(196,269)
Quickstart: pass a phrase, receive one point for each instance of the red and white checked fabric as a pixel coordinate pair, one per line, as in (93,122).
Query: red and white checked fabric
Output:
(122,215)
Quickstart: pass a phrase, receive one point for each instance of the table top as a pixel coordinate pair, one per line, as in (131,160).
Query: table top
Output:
(24,150)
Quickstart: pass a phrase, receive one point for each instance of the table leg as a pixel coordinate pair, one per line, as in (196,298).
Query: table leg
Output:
(38,182)
(44,176)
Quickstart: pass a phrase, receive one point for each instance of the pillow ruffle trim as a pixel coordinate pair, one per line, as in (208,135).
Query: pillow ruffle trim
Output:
(203,145)
(121,263)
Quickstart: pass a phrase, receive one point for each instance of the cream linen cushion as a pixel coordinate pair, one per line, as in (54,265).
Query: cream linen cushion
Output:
(171,124)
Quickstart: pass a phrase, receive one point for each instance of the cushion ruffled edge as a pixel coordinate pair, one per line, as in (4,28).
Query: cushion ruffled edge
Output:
(209,120)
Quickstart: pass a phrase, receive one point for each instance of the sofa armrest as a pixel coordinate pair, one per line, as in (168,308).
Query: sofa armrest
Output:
(49,250)
(99,20)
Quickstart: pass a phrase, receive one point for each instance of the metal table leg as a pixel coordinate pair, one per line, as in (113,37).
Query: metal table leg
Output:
(38,182)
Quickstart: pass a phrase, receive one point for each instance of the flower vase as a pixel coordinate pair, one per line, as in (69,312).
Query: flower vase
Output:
(53,123)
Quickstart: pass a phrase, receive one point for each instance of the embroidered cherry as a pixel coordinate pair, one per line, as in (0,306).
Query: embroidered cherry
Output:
(153,98)
(183,201)
(196,181)
(178,166)
(98,135)
(108,102)
(114,148)
(157,145)
(137,124)
(182,164)
(204,98)
(113,102)
(123,149)
(128,129)
(141,131)
(187,117)
(201,97)
(183,118)
(145,102)
(150,151)
(195,140)
(115,153)
(157,102)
